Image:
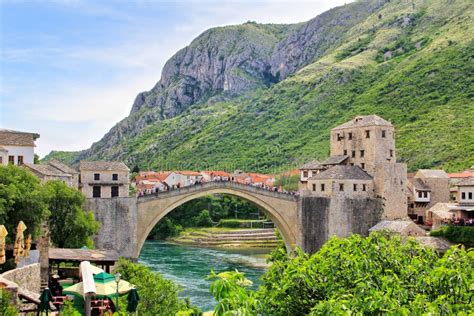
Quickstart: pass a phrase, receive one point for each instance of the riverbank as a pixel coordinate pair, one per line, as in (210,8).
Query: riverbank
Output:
(221,237)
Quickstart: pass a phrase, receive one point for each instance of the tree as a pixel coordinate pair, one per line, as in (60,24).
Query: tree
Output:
(22,198)
(363,276)
(203,219)
(158,296)
(68,218)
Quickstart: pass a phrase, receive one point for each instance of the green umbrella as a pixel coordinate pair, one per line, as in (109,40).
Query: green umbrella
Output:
(45,299)
(132,301)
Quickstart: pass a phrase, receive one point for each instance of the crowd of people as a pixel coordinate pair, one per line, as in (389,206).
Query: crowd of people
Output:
(458,221)
(201,181)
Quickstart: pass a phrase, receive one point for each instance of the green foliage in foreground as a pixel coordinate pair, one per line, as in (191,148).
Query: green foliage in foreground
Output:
(158,296)
(371,276)
(68,218)
(6,309)
(456,234)
(24,198)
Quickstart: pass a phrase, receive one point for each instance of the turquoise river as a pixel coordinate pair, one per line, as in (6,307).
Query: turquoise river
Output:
(189,266)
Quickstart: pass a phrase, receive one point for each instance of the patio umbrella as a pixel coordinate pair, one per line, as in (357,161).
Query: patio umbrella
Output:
(27,246)
(19,242)
(3,235)
(45,299)
(105,286)
(132,300)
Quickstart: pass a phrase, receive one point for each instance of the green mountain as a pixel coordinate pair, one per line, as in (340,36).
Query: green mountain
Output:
(264,97)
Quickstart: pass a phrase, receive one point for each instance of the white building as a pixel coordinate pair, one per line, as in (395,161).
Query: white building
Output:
(16,147)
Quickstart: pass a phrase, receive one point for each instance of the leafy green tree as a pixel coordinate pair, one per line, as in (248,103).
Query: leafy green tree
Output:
(166,228)
(22,198)
(203,219)
(365,276)
(6,308)
(68,218)
(158,296)
(230,289)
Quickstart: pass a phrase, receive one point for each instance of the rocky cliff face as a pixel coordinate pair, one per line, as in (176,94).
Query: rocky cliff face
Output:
(234,59)
(225,62)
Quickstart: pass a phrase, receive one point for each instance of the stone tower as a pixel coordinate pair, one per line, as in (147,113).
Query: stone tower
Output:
(369,142)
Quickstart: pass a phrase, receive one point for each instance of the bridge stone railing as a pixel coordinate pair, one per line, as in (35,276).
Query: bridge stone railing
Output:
(218,185)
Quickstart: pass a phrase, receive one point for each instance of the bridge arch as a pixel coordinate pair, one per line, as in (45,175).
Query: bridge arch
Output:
(279,207)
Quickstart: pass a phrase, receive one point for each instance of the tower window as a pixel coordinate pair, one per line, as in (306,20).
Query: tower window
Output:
(355,186)
(114,176)
(367,134)
(350,136)
(114,191)
(339,137)
(345,151)
(341,187)
(362,165)
(305,174)
(364,187)
(96,191)
(383,134)
(322,186)
(96,176)
(470,195)
(391,153)
(362,152)
(314,187)
(353,154)
(463,195)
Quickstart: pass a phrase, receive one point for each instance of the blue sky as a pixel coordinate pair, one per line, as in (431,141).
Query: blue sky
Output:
(70,69)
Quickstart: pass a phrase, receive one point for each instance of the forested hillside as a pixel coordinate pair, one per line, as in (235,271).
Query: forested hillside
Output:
(264,97)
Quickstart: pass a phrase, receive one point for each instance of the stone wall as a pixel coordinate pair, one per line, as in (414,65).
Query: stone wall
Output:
(321,217)
(27,277)
(118,218)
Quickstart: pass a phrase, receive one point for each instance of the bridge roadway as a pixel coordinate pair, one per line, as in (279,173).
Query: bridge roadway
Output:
(281,208)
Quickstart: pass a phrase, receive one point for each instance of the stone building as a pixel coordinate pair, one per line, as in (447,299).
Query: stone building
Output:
(55,170)
(366,144)
(16,147)
(369,142)
(426,189)
(104,179)
(466,192)
(342,180)
(309,170)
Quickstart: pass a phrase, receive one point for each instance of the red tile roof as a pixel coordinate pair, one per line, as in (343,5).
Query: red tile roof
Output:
(189,173)
(465,174)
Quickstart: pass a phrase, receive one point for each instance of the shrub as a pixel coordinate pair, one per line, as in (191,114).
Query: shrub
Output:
(203,219)
(158,296)
(363,276)
(456,234)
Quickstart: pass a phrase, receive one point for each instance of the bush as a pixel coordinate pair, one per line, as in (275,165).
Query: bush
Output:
(362,276)
(158,296)
(203,219)
(237,223)
(6,308)
(456,234)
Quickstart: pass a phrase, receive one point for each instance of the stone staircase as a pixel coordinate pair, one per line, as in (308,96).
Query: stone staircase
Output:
(245,238)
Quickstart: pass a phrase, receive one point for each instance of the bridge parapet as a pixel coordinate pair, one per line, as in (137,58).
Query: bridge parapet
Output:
(217,185)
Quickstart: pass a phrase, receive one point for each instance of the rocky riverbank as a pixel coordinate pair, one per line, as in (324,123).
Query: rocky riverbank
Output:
(229,238)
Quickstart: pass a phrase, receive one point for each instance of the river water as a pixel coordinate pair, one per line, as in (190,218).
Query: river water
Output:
(189,266)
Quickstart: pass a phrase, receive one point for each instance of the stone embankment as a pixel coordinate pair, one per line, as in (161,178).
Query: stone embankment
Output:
(230,238)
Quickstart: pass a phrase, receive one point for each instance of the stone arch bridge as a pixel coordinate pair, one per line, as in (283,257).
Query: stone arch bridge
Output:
(303,221)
